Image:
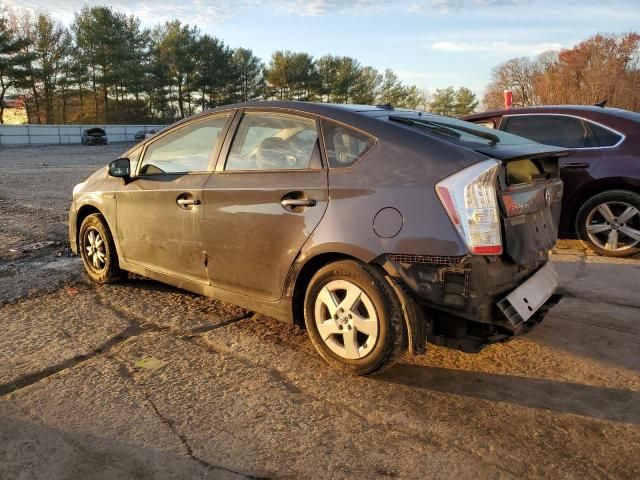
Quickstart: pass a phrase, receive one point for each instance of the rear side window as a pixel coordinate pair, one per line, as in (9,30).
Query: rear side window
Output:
(554,130)
(345,146)
(603,137)
(186,149)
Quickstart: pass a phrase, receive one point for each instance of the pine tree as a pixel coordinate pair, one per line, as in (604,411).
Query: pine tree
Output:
(14,62)
(466,102)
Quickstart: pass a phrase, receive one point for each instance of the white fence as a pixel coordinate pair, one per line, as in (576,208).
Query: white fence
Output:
(65,134)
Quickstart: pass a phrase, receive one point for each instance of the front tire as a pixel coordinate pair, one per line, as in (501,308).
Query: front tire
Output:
(353,318)
(98,251)
(609,223)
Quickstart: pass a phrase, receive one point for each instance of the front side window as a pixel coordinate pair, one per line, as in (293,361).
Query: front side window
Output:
(344,145)
(557,130)
(184,150)
(274,141)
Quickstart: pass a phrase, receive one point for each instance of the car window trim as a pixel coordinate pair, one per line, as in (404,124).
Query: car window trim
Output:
(587,121)
(235,124)
(212,157)
(355,129)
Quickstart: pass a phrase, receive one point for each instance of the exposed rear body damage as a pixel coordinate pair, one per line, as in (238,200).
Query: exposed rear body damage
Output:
(465,298)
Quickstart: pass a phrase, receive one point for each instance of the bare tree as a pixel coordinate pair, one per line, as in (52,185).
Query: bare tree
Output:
(603,67)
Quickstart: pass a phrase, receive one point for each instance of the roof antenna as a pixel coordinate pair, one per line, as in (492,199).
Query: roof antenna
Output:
(601,104)
(386,106)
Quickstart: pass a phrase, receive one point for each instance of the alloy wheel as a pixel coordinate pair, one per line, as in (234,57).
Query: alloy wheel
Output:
(346,319)
(96,252)
(614,226)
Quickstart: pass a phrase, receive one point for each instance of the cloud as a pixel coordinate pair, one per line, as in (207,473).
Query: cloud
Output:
(370,7)
(496,47)
(447,5)
(212,12)
(199,11)
(149,11)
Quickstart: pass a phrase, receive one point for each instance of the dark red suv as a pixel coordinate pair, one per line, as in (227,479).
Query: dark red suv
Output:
(601,203)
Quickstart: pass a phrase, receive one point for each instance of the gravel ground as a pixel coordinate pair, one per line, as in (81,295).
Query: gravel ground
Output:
(141,380)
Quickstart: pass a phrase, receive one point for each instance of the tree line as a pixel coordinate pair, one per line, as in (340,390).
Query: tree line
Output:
(603,67)
(106,68)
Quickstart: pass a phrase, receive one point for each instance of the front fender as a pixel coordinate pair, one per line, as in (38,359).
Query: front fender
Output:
(96,194)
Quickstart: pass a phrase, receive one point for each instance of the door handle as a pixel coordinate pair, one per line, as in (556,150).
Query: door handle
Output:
(576,165)
(187,202)
(298,202)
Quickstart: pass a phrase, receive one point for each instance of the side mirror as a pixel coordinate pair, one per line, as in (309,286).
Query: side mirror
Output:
(120,168)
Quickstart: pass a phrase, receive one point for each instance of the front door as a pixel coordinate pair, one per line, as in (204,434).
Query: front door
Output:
(159,212)
(262,205)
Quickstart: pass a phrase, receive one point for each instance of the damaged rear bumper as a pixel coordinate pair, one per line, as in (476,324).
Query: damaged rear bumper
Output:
(471,301)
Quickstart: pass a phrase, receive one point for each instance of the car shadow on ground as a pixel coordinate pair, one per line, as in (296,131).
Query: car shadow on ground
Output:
(564,397)
(34,451)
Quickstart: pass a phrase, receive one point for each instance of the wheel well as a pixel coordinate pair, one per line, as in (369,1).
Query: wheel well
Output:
(590,190)
(304,277)
(83,213)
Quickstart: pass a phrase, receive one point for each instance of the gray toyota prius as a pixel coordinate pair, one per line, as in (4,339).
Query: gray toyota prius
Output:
(374,228)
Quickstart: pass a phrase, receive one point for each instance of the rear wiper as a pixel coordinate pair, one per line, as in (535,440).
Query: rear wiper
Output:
(438,128)
(451,128)
(471,131)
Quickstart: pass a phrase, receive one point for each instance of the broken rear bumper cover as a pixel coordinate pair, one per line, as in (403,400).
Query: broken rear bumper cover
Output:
(471,301)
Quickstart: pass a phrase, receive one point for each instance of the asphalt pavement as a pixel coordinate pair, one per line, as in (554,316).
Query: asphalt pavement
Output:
(140,380)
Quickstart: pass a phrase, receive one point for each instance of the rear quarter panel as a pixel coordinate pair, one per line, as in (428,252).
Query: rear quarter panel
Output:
(399,172)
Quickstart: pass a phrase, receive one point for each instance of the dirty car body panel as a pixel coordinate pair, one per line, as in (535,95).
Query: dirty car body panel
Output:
(255,236)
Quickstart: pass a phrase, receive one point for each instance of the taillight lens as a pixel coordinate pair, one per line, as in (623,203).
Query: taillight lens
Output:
(470,199)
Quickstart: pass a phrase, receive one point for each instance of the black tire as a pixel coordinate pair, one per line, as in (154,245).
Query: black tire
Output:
(108,269)
(618,201)
(390,341)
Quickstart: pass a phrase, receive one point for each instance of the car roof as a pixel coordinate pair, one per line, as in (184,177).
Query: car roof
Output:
(333,110)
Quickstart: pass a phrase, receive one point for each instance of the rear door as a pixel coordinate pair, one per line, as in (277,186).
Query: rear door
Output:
(159,212)
(266,197)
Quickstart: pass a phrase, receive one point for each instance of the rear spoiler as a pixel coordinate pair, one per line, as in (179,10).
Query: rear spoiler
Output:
(507,153)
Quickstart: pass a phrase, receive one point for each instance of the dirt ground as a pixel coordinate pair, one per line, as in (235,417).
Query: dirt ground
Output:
(138,380)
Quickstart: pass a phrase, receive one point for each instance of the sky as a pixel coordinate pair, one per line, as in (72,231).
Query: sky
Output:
(430,43)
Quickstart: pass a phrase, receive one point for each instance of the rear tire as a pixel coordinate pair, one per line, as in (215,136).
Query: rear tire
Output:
(609,223)
(354,318)
(98,251)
